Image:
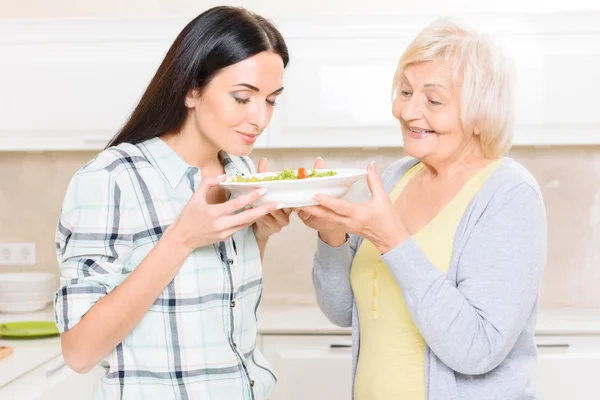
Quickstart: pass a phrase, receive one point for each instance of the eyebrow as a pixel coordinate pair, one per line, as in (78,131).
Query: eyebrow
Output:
(255,89)
(427,85)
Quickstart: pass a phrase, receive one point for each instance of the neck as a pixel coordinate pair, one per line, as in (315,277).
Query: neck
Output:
(193,147)
(470,159)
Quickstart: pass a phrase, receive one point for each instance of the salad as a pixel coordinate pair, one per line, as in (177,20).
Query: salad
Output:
(285,175)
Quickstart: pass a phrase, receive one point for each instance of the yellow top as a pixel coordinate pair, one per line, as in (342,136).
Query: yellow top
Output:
(391,362)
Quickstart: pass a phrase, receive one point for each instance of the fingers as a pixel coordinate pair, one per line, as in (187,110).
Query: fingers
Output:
(319,164)
(307,219)
(229,232)
(315,219)
(250,215)
(270,222)
(340,206)
(238,203)
(263,165)
(303,215)
(375,183)
(208,183)
(281,217)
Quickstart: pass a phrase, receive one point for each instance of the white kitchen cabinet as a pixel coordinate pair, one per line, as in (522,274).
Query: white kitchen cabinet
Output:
(315,367)
(89,74)
(62,384)
(318,367)
(568,367)
(72,386)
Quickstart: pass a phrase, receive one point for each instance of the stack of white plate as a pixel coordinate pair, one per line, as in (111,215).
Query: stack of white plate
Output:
(25,291)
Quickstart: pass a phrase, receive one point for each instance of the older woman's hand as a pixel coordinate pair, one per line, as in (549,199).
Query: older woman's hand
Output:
(330,232)
(376,220)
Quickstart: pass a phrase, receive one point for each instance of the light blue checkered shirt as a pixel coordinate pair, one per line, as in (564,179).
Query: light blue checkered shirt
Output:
(198,340)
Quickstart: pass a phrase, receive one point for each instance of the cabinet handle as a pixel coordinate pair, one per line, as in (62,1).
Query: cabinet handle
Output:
(340,346)
(555,345)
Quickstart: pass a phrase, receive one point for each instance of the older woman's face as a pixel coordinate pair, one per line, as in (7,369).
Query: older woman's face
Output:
(427,104)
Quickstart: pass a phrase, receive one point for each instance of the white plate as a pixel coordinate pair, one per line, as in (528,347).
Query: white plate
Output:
(298,192)
(26,277)
(23,307)
(25,297)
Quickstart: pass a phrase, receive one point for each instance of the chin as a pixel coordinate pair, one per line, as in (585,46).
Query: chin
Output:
(239,150)
(419,148)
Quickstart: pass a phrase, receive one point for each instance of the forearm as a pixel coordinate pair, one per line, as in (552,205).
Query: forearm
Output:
(115,315)
(333,238)
(331,279)
(471,330)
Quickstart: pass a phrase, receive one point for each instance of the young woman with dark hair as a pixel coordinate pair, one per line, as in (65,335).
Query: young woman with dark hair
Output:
(161,273)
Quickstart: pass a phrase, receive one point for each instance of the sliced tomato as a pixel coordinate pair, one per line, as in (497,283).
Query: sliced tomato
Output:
(302,173)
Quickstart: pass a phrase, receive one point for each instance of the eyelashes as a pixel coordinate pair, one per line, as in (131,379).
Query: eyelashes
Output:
(246,101)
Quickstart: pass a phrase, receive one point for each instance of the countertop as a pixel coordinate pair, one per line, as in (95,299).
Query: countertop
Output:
(28,355)
(289,320)
(37,356)
(306,320)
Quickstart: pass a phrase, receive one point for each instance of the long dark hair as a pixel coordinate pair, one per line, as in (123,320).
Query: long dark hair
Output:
(217,38)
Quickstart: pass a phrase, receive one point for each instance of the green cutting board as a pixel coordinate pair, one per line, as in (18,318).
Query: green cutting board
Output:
(28,329)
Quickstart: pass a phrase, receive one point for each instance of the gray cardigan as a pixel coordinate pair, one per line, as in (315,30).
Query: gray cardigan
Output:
(478,320)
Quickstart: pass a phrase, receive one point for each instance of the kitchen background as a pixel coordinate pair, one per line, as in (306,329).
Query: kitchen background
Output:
(33,183)
(34,173)
(33,186)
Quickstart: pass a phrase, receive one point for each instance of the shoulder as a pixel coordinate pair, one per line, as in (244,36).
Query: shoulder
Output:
(101,176)
(510,194)
(512,177)
(512,173)
(114,160)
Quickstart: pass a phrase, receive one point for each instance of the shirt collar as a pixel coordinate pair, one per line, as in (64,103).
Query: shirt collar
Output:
(165,159)
(173,168)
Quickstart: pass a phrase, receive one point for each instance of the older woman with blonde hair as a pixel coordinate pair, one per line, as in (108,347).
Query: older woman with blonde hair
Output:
(438,273)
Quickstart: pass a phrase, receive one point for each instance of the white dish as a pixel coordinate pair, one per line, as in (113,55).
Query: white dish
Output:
(25,297)
(23,307)
(298,192)
(26,277)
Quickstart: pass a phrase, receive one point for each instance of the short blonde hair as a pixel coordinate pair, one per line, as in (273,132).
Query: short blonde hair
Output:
(486,98)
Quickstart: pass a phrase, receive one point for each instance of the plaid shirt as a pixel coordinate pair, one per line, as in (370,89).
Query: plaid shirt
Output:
(198,340)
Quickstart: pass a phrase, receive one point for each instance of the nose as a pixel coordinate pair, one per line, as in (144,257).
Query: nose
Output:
(258,115)
(407,108)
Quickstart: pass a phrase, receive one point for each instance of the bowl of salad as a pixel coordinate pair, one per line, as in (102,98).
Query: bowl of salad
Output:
(295,187)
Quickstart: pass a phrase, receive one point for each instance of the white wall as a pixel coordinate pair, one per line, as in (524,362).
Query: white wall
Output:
(162,8)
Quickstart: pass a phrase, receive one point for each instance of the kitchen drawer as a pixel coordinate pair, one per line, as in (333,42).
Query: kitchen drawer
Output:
(319,367)
(567,367)
(315,367)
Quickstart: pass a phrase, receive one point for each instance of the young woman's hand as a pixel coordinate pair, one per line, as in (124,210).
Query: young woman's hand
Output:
(200,224)
(273,222)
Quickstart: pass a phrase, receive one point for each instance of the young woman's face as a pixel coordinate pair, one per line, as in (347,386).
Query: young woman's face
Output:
(237,104)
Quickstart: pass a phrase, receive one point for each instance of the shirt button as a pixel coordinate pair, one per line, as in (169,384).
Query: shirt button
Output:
(252,383)
(233,304)
(229,261)
(235,345)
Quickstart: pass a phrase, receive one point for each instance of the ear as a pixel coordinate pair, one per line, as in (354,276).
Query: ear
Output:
(476,130)
(191,97)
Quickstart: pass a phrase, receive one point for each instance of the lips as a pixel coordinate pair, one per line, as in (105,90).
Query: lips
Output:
(248,137)
(419,133)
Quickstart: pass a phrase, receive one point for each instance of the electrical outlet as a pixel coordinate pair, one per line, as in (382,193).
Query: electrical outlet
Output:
(17,253)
